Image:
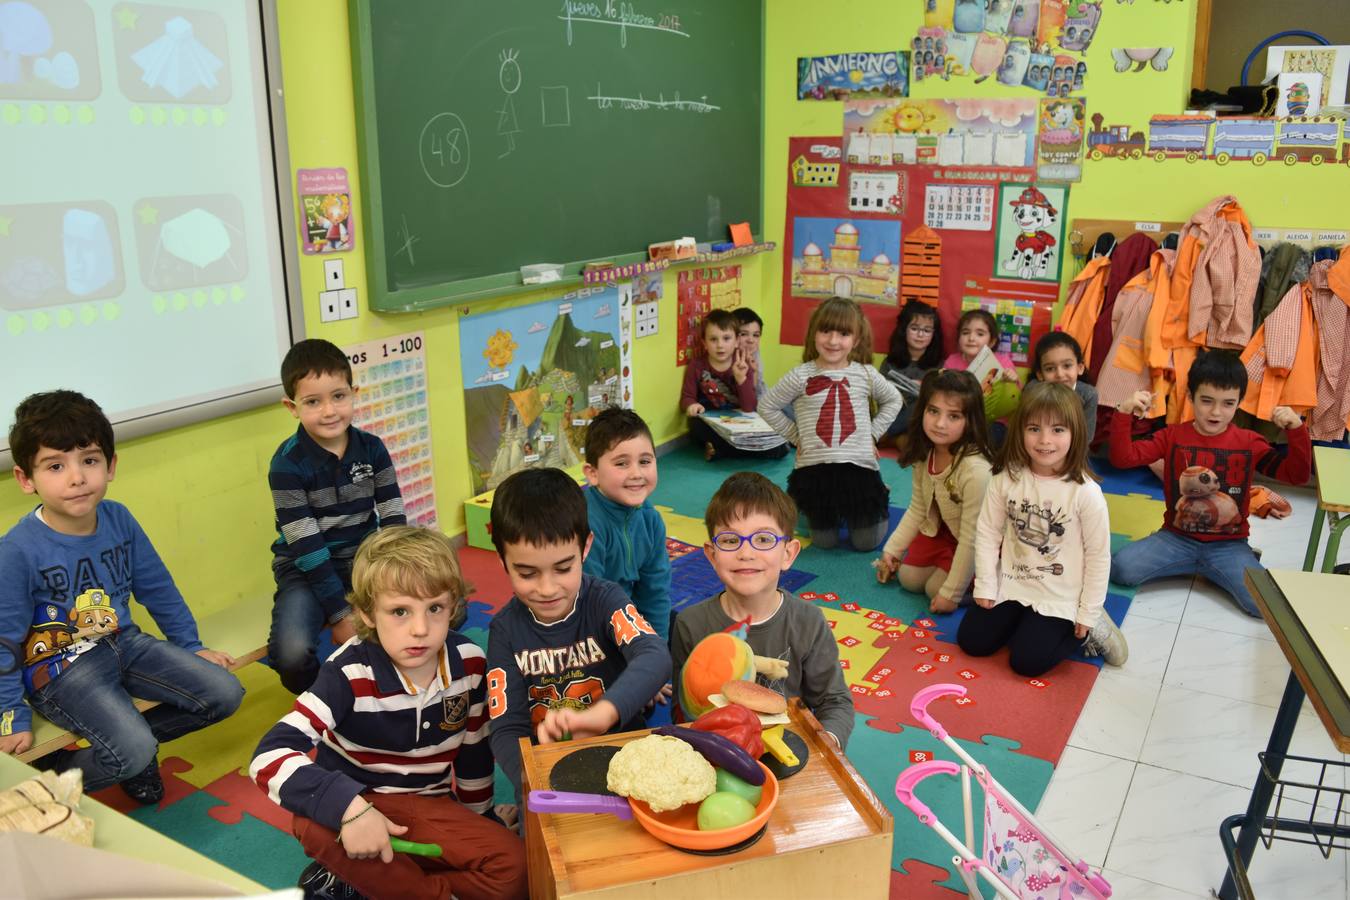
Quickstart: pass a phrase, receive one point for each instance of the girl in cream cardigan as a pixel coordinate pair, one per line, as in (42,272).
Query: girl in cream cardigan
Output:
(947,446)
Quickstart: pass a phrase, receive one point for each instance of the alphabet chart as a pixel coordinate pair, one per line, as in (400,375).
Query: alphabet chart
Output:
(962,207)
(700,290)
(391,402)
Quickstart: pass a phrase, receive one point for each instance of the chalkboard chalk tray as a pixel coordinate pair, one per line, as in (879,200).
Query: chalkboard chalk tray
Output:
(507,132)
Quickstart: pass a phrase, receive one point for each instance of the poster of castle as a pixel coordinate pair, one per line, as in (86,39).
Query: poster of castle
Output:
(534,377)
(854,258)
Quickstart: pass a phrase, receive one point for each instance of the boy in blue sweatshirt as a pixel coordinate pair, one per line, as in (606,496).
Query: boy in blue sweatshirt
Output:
(67,573)
(332,485)
(401,725)
(628,535)
(569,654)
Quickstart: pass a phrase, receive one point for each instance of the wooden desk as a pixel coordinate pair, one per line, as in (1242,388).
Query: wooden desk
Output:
(1311,673)
(829,836)
(1332,465)
(123,835)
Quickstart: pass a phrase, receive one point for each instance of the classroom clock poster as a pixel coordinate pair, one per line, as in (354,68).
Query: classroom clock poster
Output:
(535,376)
(391,402)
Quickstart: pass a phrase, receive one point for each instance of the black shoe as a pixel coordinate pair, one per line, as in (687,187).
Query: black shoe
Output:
(146,787)
(320,884)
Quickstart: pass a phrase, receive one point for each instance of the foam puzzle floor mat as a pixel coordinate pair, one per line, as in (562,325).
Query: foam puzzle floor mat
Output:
(692,578)
(889,643)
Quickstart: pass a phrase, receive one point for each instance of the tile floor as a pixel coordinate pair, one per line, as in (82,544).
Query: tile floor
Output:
(1166,746)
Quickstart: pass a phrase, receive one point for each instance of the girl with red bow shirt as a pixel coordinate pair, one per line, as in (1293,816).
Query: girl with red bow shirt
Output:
(836,480)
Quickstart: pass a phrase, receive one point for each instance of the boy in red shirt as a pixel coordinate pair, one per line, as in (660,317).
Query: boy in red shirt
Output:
(1207,480)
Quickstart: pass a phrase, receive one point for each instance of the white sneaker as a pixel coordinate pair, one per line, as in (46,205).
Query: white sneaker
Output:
(1106,641)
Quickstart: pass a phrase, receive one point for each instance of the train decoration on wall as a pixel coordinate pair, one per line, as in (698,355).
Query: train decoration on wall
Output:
(1315,140)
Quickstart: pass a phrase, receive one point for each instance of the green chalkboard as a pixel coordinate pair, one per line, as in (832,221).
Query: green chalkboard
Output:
(499,133)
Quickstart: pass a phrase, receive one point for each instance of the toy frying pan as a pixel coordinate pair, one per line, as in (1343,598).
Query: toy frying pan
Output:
(677,827)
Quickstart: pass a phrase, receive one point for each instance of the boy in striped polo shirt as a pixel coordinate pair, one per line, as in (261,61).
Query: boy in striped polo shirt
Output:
(332,485)
(400,719)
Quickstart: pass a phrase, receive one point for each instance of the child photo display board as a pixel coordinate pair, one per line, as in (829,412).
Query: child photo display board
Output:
(861,255)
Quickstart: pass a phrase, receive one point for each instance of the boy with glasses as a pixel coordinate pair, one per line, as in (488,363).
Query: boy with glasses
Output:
(750,543)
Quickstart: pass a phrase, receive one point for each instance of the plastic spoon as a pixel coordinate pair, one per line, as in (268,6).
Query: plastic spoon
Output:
(570,802)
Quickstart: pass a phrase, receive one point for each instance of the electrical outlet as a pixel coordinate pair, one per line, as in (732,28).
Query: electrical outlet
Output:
(330,306)
(333,277)
(347,308)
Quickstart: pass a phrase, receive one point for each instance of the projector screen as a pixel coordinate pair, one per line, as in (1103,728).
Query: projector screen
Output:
(144,254)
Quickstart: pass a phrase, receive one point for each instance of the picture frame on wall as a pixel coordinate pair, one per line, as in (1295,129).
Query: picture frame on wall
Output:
(1332,63)
(1029,231)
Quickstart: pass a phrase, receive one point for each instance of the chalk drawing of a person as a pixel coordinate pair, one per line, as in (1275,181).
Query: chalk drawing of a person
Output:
(509,77)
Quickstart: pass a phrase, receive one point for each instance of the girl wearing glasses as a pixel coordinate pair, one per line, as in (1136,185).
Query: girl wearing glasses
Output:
(947,448)
(916,348)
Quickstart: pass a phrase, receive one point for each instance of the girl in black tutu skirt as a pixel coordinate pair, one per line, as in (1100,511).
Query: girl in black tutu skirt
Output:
(836,480)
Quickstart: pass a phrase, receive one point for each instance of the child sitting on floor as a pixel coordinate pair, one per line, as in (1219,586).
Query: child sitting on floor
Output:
(1207,480)
(750,544)
(1059,360)
(948,450)
(569,654)
(836,480)
(1043,544)
(749,330)
(916,349)
(400,719)
(720,379)
(628,545)
(975,330)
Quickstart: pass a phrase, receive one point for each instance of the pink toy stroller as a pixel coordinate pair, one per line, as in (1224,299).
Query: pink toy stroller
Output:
(1021,860)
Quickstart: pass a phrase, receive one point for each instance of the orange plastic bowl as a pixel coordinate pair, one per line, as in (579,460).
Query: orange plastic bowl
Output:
(679,827)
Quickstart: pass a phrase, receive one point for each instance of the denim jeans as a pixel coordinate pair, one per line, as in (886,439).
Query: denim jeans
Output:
(297,620)
(901,423)
(1165,552)
(92,698)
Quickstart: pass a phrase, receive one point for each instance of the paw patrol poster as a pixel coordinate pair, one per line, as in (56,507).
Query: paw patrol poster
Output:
(1030,245)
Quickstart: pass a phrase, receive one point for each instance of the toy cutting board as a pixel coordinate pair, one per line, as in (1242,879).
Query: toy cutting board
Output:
(830,835)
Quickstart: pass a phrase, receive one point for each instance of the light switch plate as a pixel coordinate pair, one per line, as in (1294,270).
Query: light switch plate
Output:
(347,307)
(334,279)
(330,306)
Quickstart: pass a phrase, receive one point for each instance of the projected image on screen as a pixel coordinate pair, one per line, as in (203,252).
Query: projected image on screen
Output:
(140,253)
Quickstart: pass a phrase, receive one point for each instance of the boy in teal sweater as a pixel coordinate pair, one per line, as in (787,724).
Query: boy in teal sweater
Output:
(630,538)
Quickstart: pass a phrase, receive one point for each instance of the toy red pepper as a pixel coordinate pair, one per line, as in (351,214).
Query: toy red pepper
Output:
(737,724)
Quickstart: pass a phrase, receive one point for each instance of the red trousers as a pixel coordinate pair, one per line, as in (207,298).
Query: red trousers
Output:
(481,859)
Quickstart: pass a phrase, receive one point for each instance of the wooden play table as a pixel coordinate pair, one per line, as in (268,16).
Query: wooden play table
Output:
(829,836)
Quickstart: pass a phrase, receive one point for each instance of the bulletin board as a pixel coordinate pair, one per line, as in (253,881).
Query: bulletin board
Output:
(859,251)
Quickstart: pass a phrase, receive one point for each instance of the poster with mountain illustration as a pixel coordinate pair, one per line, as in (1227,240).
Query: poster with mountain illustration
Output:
(534,377)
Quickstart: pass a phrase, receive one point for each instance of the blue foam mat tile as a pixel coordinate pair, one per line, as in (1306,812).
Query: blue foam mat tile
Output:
(692,579)
(1138,480)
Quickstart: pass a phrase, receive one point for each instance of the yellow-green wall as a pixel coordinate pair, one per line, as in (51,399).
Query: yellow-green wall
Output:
(201,491)
(1273,196)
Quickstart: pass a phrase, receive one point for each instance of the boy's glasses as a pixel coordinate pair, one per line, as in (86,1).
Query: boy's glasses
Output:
(730,541)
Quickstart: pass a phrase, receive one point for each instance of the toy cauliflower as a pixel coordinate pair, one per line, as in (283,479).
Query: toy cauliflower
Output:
(714,661)
(663,772)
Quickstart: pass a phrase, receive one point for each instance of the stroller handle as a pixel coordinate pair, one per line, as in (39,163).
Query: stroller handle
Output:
(909,779)
(918,707)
